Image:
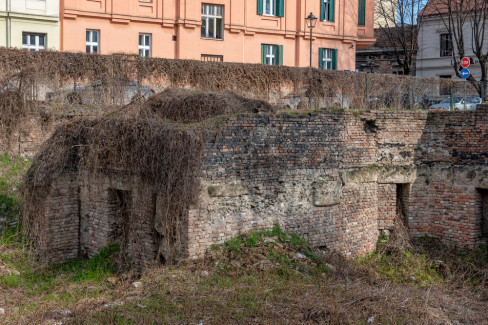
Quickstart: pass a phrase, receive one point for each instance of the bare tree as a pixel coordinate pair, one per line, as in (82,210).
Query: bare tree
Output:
(398,26)
(465,21)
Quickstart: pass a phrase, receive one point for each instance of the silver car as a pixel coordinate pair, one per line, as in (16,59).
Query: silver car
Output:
(459,103)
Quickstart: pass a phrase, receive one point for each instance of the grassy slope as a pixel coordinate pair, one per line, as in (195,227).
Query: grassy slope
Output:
(264,277)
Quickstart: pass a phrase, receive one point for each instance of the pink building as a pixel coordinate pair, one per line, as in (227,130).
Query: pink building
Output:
(249,31)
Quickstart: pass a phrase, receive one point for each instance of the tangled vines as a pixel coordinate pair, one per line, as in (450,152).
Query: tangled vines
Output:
(166,157)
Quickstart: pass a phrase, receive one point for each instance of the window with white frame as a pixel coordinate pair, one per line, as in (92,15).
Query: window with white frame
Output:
(327,58)
(269,7)
(145,45)
(33,42)
(212,21)
(271,54)
(446,45)
(92,41)
(327,12)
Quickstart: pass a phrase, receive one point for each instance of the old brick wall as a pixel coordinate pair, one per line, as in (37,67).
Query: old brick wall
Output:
(332,177)
(55,228)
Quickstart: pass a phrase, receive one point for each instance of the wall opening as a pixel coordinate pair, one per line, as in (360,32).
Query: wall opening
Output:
(402,193)
(120,202)
(484,213)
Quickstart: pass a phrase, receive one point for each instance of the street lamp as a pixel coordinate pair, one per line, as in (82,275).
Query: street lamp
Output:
(311,21)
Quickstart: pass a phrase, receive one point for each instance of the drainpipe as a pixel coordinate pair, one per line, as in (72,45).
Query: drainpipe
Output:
(8,23)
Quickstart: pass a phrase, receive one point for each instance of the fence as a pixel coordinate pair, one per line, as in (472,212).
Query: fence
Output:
(95,82)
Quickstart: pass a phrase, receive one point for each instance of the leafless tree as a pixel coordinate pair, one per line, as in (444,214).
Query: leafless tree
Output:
(397,24)
(462,18)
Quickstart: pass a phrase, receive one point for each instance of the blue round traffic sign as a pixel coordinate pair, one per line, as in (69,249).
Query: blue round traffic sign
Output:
(464,73)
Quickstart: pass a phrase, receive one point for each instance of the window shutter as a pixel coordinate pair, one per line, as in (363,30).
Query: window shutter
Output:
(280,8)
(260,7)
(322,10)
(280,55)
(331,11)
(361,13)
(263,54)
(334,59)
(321,59)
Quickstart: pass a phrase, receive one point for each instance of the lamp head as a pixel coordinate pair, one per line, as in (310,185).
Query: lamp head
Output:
(311,20)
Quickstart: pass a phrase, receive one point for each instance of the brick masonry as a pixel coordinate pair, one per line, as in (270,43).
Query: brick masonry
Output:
(332,177)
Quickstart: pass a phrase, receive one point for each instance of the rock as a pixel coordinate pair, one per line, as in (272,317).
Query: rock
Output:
(136,284)
(371,319)
(113,280)
(300,256)
(205,273)
(141,306)
(268,240)
(66,313)
(331,267)
(2,311)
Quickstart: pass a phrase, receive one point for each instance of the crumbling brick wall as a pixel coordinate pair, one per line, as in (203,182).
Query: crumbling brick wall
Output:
(335,178)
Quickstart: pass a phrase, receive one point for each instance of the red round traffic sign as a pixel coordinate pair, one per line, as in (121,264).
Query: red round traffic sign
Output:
(465,62)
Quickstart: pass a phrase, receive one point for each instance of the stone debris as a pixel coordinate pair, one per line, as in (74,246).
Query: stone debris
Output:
(2,311)
(137,284)
(113,280)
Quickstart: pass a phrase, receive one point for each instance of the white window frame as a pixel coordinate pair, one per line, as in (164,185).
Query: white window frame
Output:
(272,8)
(91,43)
(327,55)
(446,53)
(326,10)
(36,46)
(211,12)
(146,38)
(271,54)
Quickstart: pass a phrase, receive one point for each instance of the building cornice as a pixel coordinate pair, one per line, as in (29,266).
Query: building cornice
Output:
(29,16)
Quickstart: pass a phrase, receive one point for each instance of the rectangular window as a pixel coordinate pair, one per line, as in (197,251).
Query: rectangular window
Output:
(92,41)
(271,7)
(212,58)
(327,59)
(446,45)
(33,42)
(145,45)
(212,21)
(362,13)
(327,10)
(272,54)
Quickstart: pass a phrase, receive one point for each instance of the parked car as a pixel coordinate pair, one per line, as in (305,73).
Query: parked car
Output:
(459,103)
(121,91)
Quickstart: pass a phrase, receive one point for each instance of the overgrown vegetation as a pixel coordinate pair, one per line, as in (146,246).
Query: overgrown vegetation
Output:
(166,157)
(266,276)
(193,106)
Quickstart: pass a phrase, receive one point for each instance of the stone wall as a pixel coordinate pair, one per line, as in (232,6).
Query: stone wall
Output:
(336,178)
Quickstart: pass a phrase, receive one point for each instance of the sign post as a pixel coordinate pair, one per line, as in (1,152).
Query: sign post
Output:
(464,74)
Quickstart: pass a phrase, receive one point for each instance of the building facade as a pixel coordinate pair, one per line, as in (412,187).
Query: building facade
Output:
(247,31)
(29,24)
(436,48)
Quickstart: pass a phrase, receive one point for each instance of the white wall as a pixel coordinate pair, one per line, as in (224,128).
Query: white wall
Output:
(36,7)
(429,61)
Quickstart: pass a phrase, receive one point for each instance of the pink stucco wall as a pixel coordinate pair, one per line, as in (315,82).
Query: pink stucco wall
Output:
(175,29)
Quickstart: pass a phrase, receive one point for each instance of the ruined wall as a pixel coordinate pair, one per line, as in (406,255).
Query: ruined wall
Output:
(315,174)
(336,178)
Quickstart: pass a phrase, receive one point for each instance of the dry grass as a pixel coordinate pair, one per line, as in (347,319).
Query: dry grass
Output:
(250,279)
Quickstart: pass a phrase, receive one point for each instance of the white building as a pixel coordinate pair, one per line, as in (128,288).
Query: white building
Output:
(29,24)
(435,47)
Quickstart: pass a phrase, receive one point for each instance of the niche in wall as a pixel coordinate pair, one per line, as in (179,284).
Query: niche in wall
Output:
(120,207)
(484,213)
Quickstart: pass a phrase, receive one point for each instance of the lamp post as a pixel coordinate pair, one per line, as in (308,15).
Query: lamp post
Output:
(311,21)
